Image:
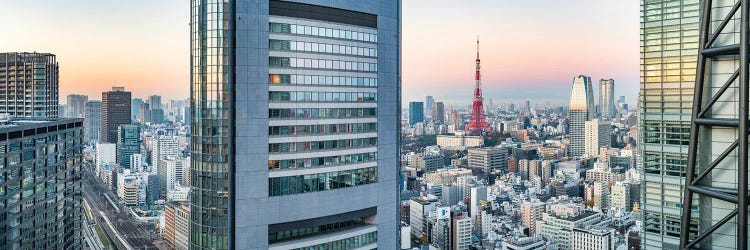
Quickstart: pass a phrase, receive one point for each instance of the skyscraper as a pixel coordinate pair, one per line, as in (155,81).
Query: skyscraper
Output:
(115,112)
(438,113)
(128,143)
(135,108)
(76,105)
(43,200)
(93,121)
(30,86)
(155,102)
(666,97)
(581,109)
(429,102)
(276,64)
(607,98)
(416,113)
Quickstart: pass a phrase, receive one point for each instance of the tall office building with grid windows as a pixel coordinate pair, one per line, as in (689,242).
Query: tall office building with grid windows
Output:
(295,120)
(669,49)
(581,109)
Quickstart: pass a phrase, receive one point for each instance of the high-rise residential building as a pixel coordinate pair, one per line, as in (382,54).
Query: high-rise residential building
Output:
(607,98)
(76,105)
(669,54)
(93,122)
(43,200)
(172,174)
(155,102)
(284,64)
(30,84)
(115,112)
(581,109)
(488,158)
(429,102)
(598,133)
(622,197)
(438,113)
(128,143)
(135,108)
(416,113)
(531,212)
(601,196)
(163,147)
(460,232)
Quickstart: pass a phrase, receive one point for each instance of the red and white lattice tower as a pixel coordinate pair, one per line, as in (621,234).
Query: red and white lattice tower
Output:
(478,122)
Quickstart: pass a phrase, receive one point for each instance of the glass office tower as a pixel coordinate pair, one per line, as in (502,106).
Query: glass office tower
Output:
(295,121)
(669,49)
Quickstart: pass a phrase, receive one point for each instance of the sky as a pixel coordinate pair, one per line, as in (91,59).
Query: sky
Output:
(530,50)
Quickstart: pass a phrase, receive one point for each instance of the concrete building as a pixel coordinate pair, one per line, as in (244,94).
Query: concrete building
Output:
(419,209)
(30,84)
(594,238)
(294,63)
(531,213)
(127,187)
(93,122)
(621,196)
(136,162)
(43,200)
(558,222)
(525,243)
(182,227)
(598,134)
(429,162)
(172,172)
(106,154)
(115,112)
(601,196)
(478,194)
(581,109)
(162,147)
(460,232)
(459,140)
(488,158)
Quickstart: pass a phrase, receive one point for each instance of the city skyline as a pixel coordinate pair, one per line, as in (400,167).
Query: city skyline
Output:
(152,54)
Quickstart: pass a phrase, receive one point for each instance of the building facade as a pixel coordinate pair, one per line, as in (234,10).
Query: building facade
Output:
(669,40)
(261,66)
(115,112)
(438,113)
(76,105)
(29,84)
(607,99)
(598,134)
(416,113)
(488,158)
(128,143)
(581,109)
(42,208)
(93,121)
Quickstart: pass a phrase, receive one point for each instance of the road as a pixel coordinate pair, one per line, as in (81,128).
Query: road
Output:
(139,235)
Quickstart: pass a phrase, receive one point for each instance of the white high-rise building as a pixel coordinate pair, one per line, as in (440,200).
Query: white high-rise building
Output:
(532,212)
(598,134)
(173,174)
(460,232)
(163,146)
(621,197)
(136,162)
(106,154)
(477,194)
(581,109)
(127,188)
(601,196)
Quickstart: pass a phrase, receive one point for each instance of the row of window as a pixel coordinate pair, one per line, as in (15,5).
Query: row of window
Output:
(323,32)
(322,161)
(322,145)
(322,80)
(310,96)
(323,129)
(303,232)
(285,45)
(309,63)
(348,243)
(322,113)
(289,185)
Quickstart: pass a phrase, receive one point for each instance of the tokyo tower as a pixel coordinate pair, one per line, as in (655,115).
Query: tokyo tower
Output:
(478,122)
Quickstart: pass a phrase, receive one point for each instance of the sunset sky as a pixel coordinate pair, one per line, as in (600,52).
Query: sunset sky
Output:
(529,49)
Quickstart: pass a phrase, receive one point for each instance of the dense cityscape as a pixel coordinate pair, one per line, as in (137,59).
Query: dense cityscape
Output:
(296,135)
